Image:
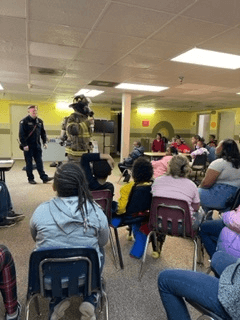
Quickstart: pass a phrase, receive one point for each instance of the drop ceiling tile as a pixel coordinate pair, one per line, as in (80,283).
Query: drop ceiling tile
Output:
(138,61)
(74,13)
(14,66)
(12,36)
(56,34)
(188,31)
(13,8)
(172,6)
(104,41)
(52,51)
(160,49)
(216,11)
(132,21)
(226,42)
(97,56)
(87,67)
(118,74)
(44,62)
(74,74)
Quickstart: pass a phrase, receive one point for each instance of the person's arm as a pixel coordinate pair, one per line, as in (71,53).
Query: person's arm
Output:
(195,206)
(23,133)
(43,133)
(33,229)
(85,164)
(210,178)
(124,197)
(109,159)
(103,232)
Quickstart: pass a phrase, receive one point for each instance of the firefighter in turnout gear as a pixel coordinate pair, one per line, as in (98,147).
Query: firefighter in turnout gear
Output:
(77,129)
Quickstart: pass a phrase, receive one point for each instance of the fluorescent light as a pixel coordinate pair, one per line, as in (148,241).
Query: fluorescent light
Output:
(209,58)
(1,87)
(145,110)
(89,93)
(141,87)
(238,93)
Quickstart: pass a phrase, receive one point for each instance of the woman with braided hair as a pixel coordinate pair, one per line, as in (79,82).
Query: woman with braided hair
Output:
(222,179)
(70,220)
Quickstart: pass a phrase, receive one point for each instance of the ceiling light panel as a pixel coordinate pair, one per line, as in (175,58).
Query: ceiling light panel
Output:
(141,87)
(209,58)
(89,93)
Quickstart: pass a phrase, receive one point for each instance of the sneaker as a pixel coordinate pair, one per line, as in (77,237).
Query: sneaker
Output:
(16,315)
(13,216)
(32,181)
(127,178)
(53,164)
(59,309)
(7,223)
(87,311)
(48,179)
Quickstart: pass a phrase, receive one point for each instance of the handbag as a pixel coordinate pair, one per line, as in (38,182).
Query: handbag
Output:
(20,145)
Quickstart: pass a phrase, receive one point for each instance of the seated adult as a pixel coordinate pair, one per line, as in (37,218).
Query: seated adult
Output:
(101,169)
(135,200)
(222,179)
(158,144)
(160,166)
(212,141)
(200,149)
(221,296)
(69,220)
(138,151)
(8,285)
(181,147)
(222,234)
(175,184)
(8,217)
(194,140)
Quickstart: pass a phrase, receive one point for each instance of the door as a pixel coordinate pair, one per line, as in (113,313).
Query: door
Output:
(226,125)
(18,112)
(204,126)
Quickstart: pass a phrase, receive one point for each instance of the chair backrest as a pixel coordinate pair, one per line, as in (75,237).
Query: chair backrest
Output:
(63,272)
(171,216)
(104,199)
(200,160)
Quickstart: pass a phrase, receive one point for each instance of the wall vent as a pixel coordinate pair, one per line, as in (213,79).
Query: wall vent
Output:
(47,71)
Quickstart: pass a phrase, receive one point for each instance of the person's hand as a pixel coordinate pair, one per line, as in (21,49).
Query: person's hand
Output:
(26,148)
(45,146)
(111,162)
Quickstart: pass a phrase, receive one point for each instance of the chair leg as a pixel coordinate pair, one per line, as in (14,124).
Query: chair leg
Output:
(144,254)
(195,255)
(118,248)
(200,251)
(113,248)
(36,305)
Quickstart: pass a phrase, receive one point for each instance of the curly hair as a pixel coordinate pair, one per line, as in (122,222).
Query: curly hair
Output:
(69,180)
(178,166)
(142,170)
(230,152)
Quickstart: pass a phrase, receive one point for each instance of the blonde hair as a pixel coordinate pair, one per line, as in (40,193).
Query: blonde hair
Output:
(178,166)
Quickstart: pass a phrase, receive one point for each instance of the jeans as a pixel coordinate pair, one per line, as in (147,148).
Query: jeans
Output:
(209,233)
(218,197)
(36,154)
(5,201)
(174,285)
(220,260)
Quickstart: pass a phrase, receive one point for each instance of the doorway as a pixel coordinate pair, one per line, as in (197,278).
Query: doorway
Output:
(204,126)
(226,122)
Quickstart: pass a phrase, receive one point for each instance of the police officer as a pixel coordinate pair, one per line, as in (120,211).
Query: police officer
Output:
(77,129)
(31,128)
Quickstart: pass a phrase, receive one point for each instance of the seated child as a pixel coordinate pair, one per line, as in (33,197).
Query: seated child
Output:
(135,200)
(160,166)
(70,220)
(101,169)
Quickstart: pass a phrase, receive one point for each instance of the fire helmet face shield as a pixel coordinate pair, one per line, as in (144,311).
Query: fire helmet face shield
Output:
(81,105)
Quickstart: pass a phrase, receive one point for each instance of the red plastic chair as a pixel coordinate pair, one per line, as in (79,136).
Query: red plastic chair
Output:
(170,217)
(104,199)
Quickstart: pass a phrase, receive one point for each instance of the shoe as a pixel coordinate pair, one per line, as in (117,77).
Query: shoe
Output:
(53,164)
(7,223)
(47,180)
(87,310)
(59,309)
(32,181)
(15,217)
(16,316)
(127,178)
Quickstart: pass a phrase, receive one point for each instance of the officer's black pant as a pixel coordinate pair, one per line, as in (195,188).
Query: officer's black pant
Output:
(123,167)
(36,154)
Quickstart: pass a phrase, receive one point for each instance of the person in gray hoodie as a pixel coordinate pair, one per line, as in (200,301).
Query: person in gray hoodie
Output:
(221,296)
(72,219)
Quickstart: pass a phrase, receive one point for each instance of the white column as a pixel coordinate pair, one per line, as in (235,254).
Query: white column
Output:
(125,126)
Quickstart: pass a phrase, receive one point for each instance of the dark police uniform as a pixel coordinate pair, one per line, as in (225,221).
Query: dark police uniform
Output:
(26,125)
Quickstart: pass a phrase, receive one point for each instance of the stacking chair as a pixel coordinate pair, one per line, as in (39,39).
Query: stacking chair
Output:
(170,217)
(104,199)
(204,312)
(199,165)
(64,273)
